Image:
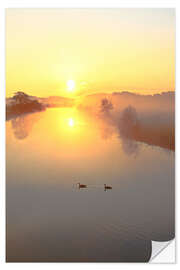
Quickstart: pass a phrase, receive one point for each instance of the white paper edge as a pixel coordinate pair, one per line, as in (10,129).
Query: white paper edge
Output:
(163,252)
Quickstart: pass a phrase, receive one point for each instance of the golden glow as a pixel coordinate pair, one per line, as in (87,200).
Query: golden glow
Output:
(70,85)
(63,144)
(53,46)
(71,122)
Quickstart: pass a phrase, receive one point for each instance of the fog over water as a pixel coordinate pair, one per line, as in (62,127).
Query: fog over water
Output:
(50,219)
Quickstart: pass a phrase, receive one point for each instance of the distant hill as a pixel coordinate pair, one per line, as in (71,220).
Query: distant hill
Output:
(158,102)
(56,101)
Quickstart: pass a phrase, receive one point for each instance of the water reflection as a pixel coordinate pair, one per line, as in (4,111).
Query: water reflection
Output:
(48,220)
(22,125)
(130,147)
(124,126)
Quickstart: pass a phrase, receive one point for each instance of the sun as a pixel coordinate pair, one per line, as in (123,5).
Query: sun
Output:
(70,85)
(71,122)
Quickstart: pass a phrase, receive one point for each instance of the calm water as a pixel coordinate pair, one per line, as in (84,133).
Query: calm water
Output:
(49,219)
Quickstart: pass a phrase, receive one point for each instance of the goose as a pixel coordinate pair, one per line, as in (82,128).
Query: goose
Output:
(107,187)
(82,186)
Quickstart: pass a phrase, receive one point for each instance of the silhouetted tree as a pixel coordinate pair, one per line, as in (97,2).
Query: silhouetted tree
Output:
(106,106)
(21,97)
(23,103)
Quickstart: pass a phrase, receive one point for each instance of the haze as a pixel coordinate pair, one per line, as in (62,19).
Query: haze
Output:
(100,50)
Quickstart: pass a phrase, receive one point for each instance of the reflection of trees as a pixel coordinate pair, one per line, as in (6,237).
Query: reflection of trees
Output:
(131,130)
(22,125)
(130,147)
(128,123)
(106,133)
(128,126)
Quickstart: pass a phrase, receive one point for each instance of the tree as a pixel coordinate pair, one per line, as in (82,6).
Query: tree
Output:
(106,106)
(21,97)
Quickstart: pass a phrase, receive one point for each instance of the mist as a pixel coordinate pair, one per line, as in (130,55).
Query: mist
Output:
(136,118)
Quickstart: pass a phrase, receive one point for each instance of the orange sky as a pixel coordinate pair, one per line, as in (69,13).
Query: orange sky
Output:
(102,50)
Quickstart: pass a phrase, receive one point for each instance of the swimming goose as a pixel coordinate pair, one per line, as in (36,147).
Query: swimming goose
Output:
(82,185)
(107,187)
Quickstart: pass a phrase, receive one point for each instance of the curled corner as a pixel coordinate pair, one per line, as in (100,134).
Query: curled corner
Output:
(158,247)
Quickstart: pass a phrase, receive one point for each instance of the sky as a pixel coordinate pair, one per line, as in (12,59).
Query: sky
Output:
(97,50)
